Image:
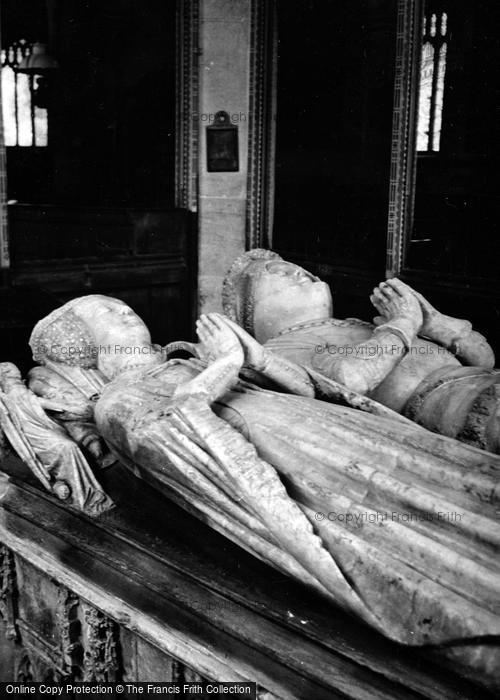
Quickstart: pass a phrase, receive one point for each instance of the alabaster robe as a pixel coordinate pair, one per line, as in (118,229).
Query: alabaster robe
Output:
(428,385)
(393,523)
(48,450)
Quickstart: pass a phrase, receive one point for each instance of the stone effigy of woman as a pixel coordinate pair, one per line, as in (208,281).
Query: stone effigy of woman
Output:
(393,523)
(432,368)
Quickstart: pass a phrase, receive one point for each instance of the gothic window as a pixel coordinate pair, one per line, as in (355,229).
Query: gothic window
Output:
(25,122)
(432,76)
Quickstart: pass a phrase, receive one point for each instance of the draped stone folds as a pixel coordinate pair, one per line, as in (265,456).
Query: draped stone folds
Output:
(389,521)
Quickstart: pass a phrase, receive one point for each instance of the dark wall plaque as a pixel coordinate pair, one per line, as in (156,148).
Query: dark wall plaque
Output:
(222,145)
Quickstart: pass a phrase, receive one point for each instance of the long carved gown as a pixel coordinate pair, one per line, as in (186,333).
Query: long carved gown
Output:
(395,524)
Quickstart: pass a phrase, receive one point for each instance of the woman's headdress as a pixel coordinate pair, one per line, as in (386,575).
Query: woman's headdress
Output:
(63,336)
(238,299)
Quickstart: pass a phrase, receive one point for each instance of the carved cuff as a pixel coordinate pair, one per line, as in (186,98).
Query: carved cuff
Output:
(402,334)
(454,345)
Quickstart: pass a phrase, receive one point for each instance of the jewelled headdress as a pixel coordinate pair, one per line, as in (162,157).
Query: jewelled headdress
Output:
(238,287)
(63,336)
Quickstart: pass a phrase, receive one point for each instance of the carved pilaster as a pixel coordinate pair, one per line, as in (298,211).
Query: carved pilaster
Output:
(261,124)
(100,640)
(186,114)
(403,160)
(8,591)
(4,233)
(69,632)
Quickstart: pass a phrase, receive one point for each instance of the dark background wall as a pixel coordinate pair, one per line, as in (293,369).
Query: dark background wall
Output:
(111,103)
(335,91)
(456,216)
(94,210)
(334,118)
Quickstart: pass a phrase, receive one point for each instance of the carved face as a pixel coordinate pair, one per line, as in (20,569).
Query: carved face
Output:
(109,316)
(296,274)
(286,294)
(265,294)
(75,333)
(122,334)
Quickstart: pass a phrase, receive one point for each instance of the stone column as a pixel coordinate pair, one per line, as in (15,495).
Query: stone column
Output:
(223,85)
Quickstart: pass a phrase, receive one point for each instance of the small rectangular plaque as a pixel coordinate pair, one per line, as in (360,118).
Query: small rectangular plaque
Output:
(222,145)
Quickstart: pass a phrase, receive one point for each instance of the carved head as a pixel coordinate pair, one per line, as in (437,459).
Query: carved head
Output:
(265,294)
(93,331)
(64,337)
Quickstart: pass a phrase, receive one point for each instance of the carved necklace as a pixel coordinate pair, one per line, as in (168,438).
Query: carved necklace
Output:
(317,323)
